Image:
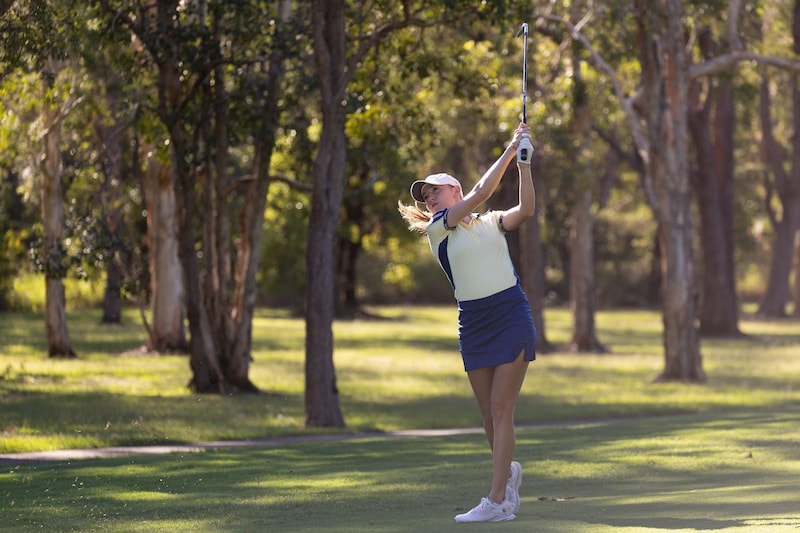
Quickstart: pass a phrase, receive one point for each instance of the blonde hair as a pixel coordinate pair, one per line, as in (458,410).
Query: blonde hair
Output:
(417,219)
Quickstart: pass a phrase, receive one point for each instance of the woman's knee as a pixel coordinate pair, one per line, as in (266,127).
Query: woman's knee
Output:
(501,408)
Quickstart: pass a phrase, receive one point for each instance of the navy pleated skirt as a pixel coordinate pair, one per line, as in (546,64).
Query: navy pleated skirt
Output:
(493,331)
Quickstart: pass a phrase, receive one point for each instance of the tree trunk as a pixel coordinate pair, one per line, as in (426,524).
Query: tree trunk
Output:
(581,276)
(59,344)
(111,202)
(532,266)
(796,310)
(348,253)
(204,354)
(787,186)
(216,222)
(581,238)
(167,332)
(665,77)
(711,180)
(327,174)
(207,373)
(248,252)
(349,246)
(112,299)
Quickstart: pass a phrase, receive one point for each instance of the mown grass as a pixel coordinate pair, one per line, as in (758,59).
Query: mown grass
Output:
(604,449)
(731,473)
(402,371)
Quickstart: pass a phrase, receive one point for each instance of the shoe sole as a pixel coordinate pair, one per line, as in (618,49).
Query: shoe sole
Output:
(503,518)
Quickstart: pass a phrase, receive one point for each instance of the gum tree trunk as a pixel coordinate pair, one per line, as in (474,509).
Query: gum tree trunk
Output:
(59,344)
(665,77)
(328,174)
(167,332)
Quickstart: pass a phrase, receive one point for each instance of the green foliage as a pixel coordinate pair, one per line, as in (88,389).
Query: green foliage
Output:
(441,95)
(282,275)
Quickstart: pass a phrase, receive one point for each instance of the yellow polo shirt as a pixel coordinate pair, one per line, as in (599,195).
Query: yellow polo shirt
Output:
(473,255)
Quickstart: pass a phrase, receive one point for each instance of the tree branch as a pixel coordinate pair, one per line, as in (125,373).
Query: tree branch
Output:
(729,60)
(639,137)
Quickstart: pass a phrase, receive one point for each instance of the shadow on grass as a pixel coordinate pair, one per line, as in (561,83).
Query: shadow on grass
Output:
(107,419)
(654,475)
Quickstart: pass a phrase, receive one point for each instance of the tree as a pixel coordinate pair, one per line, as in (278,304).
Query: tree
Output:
(661,143)
(109,138)
(327,178)
(711,125)
(39,46)
(211,69)
(581,238)
(166,332)
(782,179)
(50,164)
(665,81)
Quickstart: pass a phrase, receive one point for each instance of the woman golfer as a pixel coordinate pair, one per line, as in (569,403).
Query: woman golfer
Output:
(495,326)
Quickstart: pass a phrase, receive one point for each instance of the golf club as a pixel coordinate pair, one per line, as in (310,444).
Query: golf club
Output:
(525,149)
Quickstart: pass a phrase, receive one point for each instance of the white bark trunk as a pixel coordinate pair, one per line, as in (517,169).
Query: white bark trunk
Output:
(50,163)
(166,275)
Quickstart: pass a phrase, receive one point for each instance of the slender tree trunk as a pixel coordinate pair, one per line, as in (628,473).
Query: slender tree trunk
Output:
(532,265)
(796,310)
(711,180)
(328,173)
(787,186)
(581,238)
(248,253)
(112,299)
(59,344)
(166,278)
(724,126)
(581,275)
(348,252)
(349,246)
(111,192)
(207,372)
(665,76)
(204,354)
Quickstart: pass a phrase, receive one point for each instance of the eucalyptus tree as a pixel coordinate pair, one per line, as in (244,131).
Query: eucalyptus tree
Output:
(712,122)
(781,156)
(218,85)
(43,38)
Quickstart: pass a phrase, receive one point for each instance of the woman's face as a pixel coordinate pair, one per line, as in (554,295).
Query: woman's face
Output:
(438,197)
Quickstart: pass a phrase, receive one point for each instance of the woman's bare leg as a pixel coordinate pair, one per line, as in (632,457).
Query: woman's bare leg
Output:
(496,390)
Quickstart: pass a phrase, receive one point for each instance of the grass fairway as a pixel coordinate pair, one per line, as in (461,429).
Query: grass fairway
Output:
(729,473)
(603,448)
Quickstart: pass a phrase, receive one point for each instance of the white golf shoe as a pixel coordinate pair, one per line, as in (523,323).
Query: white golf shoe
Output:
(488,511)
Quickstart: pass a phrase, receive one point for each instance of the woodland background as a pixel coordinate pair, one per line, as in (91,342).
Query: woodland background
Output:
(198,159)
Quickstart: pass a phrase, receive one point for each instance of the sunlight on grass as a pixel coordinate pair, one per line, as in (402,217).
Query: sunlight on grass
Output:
(401,370)
(713,471)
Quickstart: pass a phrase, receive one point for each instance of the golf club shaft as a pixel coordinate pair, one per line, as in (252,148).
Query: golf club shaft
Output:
(525,148)
(524,32)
